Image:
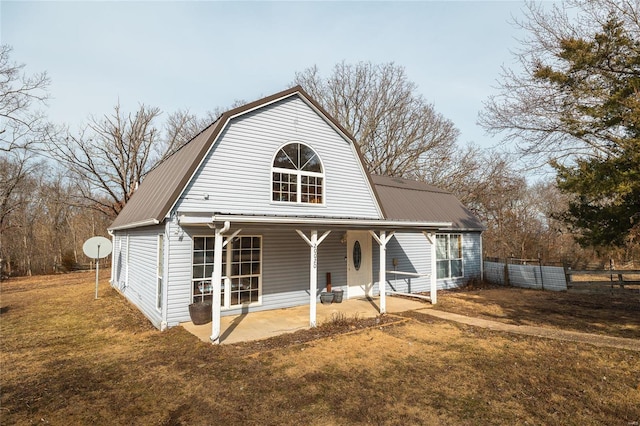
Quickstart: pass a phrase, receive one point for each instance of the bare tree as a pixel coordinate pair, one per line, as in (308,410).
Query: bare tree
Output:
(399,132)
(109,157)
(21,124)
(18,184)
(180,127)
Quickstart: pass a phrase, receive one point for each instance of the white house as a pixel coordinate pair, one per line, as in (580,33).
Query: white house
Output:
(260,206)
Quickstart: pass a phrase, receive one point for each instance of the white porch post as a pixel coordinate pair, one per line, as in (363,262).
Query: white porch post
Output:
(313,242)
(216,282)
(433,291)
(383,239)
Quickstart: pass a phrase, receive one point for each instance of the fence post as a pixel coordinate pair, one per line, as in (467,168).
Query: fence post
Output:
(506,271)
(541,278)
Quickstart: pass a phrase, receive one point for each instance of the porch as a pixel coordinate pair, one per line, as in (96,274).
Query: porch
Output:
(265,324)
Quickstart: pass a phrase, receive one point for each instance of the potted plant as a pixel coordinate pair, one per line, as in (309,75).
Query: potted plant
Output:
(326,297)
(200,311)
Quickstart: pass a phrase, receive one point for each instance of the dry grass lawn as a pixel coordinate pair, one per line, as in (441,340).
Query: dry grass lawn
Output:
(609,314)
(69,359)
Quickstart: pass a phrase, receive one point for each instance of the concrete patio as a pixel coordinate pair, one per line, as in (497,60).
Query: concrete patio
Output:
(265,324)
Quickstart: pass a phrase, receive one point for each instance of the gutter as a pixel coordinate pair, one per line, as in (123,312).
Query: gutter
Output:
(146,222)
(316,221)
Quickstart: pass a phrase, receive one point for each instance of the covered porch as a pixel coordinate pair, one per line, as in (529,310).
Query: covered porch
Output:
(262,325)
(312,232)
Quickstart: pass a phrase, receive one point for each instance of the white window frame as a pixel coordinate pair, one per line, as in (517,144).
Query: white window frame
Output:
(126,262)
(227,273)
(449,259)
(299,174)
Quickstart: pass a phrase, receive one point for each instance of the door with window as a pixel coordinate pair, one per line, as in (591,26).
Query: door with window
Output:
(359,265)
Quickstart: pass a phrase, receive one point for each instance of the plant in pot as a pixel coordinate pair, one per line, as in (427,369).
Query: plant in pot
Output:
(200,311)
(326,297)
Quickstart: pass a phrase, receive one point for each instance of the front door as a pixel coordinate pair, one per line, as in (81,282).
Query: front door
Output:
(359,266)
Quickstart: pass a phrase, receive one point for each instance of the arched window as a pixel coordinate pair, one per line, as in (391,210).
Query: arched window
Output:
(297,175)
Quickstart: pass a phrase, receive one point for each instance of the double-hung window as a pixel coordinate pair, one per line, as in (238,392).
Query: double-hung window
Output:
(449,256)
(297,175)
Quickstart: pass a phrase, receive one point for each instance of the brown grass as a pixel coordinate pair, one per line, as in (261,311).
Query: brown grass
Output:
(69,359)
(608,314)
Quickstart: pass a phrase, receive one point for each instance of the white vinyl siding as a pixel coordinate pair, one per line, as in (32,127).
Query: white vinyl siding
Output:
(413,254)
(178,275)
(231,181)
(142,271)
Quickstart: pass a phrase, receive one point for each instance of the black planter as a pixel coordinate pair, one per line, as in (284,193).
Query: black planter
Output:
(326,298)
(200,312)
(337,295)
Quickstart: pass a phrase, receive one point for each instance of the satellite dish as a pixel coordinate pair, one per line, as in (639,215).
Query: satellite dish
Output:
(97,247)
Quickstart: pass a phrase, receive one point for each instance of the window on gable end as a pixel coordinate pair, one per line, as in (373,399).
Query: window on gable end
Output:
(297,175)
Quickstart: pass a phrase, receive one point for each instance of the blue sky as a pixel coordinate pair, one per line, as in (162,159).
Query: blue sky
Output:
(207,54)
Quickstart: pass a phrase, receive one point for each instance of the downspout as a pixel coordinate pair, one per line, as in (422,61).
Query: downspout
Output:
(481,260)
(216,282)
(165,278)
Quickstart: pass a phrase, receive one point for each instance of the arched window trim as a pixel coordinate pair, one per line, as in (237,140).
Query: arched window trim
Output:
(317,179)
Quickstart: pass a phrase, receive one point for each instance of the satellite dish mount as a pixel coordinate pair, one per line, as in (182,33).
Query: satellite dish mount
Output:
(97,248)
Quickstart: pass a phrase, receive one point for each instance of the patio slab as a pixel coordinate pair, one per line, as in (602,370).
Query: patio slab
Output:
(265,324)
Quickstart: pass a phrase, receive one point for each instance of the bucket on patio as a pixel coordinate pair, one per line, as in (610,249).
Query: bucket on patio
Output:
(326,298)
(337,295)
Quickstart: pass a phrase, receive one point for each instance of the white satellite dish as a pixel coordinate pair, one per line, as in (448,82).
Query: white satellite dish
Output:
(97,248)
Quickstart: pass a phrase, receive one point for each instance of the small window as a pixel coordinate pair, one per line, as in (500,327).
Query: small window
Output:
(297,175)
(357,255)
(449,256)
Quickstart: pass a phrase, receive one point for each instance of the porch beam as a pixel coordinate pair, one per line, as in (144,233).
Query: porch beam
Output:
(382,240)
(433,284)
(231,237)
(313,243)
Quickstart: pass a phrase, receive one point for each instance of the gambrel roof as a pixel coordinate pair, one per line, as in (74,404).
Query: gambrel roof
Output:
(397,200)
(162,186)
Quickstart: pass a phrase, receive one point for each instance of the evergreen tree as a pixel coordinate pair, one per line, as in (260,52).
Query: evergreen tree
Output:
(577,105)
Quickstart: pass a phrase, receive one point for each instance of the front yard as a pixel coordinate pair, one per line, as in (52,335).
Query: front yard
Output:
(69,359)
